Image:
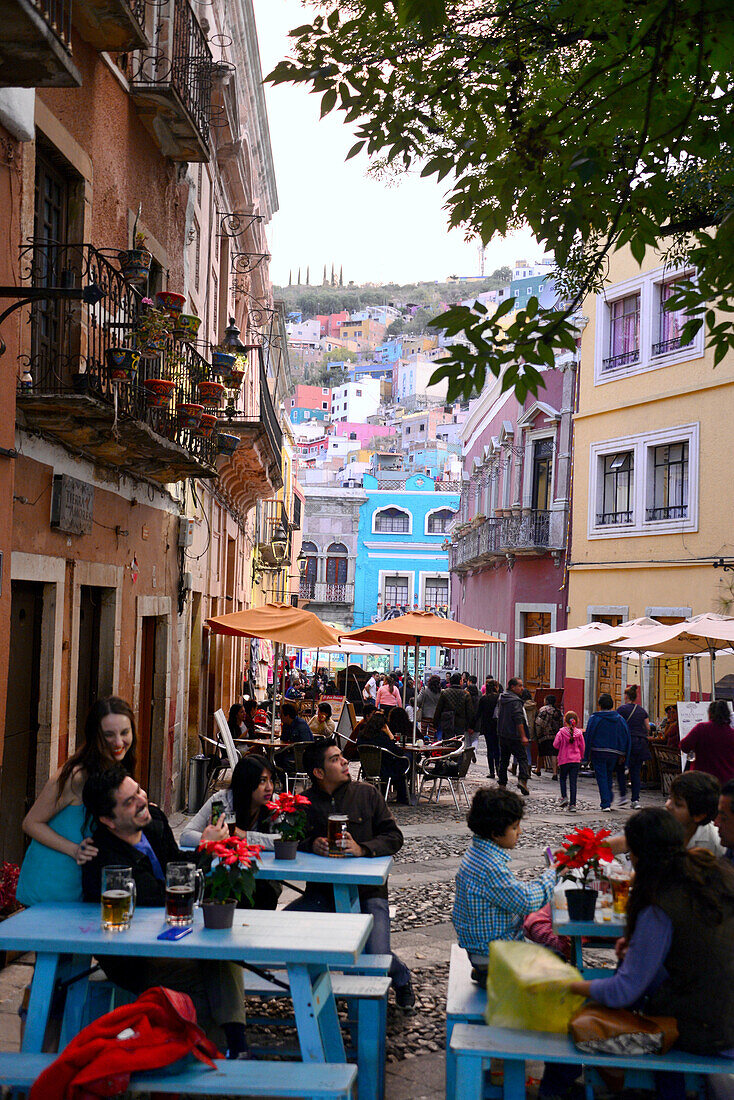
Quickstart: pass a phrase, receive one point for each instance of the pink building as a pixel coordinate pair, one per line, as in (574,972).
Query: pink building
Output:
(364,433)
(508,551)
(331,322)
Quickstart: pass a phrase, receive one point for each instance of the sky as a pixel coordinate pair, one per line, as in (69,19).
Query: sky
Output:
(332,212)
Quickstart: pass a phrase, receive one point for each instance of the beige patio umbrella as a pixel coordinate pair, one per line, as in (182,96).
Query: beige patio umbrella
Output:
(707,633)
(591,635)
(632,628)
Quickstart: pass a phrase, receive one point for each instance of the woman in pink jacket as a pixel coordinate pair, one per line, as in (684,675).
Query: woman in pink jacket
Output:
(569,741)
(388,696)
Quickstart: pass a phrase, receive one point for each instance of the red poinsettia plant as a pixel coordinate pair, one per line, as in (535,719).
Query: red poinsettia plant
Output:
(289,815)
(9,873)
(582,855)
(229,869)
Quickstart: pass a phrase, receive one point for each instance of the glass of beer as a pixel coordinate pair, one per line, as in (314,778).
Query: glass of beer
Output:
(336,835)
(184,889)
(118,898)
(620,891)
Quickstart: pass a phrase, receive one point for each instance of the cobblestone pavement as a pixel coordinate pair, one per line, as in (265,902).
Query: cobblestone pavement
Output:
(421,898)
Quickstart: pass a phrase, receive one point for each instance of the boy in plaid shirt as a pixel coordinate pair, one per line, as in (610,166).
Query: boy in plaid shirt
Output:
(491,902)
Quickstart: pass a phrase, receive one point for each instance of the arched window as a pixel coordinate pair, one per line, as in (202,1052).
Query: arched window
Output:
(308,577)
(392,521)
(439,522)
(336,563)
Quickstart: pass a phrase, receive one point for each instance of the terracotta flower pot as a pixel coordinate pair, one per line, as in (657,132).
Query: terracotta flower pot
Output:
(187,326)
(135,265)
(227,443)
(206,425)
(122,363)
(172,302)
(189,415)
(218,914)
(211,394)
(285,849)
(581,904)
(158,392)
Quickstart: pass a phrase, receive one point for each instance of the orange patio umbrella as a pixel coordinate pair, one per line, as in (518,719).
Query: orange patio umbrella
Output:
(276,622)
(422,628)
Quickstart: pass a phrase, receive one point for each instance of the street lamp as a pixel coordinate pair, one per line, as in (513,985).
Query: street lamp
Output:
(279,543)
(302,562)
(231,340)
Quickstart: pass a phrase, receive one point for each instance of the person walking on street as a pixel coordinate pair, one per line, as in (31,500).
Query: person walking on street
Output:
(512,732)
(454,712)
(638,723)
(547,724)
(486,723)
(608,744)
(570,746)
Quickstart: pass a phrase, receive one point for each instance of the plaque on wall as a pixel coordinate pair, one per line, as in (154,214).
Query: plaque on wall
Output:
(72,505)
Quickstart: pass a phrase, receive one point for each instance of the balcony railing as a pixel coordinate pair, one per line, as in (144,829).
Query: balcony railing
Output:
(624,360)
(66,387)
(664,346)
(35,46)
(609,519)
(320,592)
(670,511)
(172,84)
(530,533)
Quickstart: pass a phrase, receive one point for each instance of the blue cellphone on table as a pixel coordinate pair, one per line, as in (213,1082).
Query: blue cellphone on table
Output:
(175,933)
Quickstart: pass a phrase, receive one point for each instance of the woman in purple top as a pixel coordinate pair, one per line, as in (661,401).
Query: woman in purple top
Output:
(638,723)
(677,957)
(713,743)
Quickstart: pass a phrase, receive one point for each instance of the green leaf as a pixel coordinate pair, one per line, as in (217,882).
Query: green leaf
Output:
(328,101)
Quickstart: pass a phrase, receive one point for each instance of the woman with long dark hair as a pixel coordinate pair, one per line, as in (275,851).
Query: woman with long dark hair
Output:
(244,801)
(377,732)
(399,724)
(713,743)
(678,951)
(51,868)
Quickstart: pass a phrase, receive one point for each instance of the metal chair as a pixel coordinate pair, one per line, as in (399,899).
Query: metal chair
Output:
(451,769)
(293,771)
(370,767)
(225,754)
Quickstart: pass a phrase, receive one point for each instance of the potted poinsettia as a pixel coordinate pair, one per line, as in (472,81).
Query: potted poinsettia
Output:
(9,904)
(229,876)
(580,860)
(289,818)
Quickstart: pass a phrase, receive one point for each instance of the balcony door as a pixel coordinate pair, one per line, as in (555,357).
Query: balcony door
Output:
(310,573)
(336,571)
(542,474)
(50,231)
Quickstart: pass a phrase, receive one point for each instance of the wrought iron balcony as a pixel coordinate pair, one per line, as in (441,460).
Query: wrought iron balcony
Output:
(171,84)
(67,390)
(665,346)
(112,24)
(626,359)
(533,533)
(321,592)
(35,46)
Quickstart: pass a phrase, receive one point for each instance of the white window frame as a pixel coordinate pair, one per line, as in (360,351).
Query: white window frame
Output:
(530,438)
(383,508)
(642,447)
(395,572)
(423,578)
(647,285)
(432,512)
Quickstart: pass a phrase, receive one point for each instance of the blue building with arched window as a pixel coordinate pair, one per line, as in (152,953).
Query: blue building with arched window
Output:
(401,563)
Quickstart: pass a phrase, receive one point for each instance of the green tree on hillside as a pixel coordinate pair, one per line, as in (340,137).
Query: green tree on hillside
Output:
(598,126)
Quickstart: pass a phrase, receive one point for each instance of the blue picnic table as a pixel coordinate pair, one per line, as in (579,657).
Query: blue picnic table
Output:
(65,937)
(577,931)
(345,875)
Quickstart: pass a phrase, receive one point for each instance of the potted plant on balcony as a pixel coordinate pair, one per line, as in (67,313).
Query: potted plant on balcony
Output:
(158,392)
(170,302)
(189,414)
(222,360)
(186,327)
(152,330)
(289,817)
(227,443)
(232,376)
(122,363)
(206,425)
(229,876)
(580,860)
(135,262)
(211,393)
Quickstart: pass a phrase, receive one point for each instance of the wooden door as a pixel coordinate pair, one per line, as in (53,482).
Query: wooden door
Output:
(609,668)
(147,699)
(668,676)
(536,661)
(18,788)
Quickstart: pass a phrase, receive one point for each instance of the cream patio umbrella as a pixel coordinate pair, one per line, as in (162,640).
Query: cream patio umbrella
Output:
(707,633)
(591,635)
(419,628)
(628,647)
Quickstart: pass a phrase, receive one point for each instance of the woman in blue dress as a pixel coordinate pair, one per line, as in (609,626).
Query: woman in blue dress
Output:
(52,865)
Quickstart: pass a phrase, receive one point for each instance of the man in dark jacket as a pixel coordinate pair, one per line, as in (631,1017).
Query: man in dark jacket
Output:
(372,832)
(292,726)
(485,722)
(608,744)
(512,734)
(131,833)
(454,712)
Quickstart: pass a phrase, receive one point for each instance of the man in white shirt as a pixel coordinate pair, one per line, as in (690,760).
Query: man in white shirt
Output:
(369,692)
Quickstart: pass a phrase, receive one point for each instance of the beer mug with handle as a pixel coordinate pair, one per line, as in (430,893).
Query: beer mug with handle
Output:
(184,890)
(118,898)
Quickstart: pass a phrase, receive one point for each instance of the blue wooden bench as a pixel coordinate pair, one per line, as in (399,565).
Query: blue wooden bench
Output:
(466,1003)
(473,1046)
(281,1079)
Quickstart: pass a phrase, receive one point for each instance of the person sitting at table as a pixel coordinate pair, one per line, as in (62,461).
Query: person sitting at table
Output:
(388,695)
(236,721)
(725,821)
(490,901)
(677,955)
(59,847)
(292,727)
(400,724)
(129,832)
(295,689)
(321,725)
(250,707)
(372,832)
(368,709)
(377,732)
(244,801)
(669,732)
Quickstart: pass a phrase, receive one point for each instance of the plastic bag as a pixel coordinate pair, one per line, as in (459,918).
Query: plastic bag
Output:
(528,987)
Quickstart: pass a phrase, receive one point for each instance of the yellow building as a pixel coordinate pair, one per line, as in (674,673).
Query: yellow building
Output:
(652,455)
